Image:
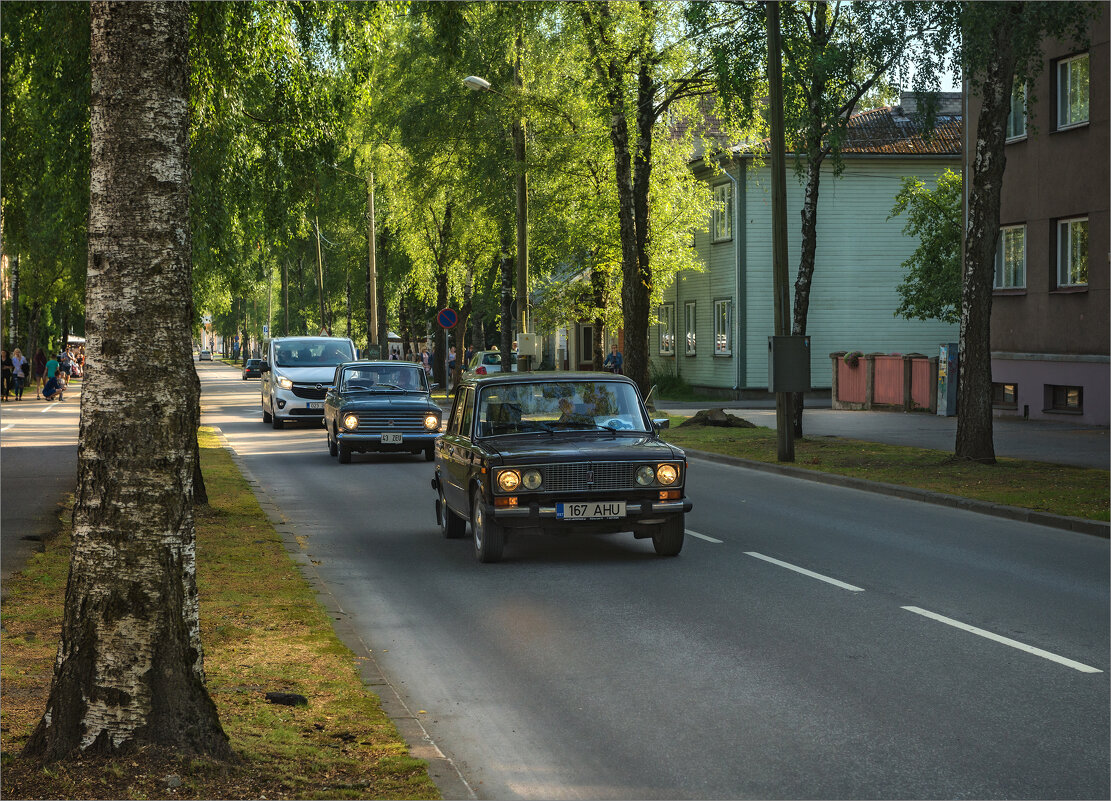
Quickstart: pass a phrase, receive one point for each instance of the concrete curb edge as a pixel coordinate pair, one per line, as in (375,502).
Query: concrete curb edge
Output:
(1077,524)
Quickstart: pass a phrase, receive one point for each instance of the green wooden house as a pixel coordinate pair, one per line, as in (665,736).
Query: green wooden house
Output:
(712,327)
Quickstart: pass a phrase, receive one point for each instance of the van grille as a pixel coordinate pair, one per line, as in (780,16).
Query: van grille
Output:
(310,392)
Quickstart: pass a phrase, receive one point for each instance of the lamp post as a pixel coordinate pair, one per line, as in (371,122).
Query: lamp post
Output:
(478,84)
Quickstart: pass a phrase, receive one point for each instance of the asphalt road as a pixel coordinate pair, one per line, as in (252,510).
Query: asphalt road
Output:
(810,641)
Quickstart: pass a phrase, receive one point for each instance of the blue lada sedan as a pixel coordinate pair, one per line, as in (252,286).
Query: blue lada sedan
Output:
(380,406)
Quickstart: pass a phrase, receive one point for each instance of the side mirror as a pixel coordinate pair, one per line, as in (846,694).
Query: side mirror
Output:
(660,423)
(264,367)
(433,387)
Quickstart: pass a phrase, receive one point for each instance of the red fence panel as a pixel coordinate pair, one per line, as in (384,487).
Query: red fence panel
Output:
(920,383)
(889,381)
(850,382)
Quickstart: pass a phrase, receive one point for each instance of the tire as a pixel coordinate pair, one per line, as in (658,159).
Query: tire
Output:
(668,538)
(452,526)
(278,423)
(333,450)
(429,453)
(266,418)
(344,453)
(489,537)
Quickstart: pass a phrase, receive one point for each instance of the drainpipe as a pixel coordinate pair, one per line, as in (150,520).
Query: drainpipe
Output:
(736,280)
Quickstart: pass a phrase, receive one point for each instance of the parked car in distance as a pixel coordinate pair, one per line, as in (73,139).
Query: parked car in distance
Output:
(296,374)
(485,362)
(252,369)
(557,453)
(204,356)
(381,406)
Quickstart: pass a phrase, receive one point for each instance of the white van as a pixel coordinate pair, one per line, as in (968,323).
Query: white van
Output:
(296,375)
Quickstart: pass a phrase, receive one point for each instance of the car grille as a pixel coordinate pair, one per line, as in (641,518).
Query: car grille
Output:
(577,476)
(310,392)
(375,422)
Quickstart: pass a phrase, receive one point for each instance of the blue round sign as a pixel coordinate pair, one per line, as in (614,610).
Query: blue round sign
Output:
(447,318)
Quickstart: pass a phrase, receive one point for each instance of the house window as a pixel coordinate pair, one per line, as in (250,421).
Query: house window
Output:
(1016,120)
(1065,399)
(689,324)
(1072,252)
(586,344)
(667,329)
(1004,396)
(723,325)
(723,212)
(1010,258)
(1072,91)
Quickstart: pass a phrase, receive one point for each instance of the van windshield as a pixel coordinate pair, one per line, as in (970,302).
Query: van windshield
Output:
(312,353)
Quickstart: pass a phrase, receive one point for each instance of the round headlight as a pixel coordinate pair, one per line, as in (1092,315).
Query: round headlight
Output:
(667,473)
(431,422)
(509,480)
(285,383)
(531,479)
(645,475)
(351,421)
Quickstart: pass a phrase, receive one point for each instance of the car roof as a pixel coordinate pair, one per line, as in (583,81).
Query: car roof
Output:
(543,375)
(380,363)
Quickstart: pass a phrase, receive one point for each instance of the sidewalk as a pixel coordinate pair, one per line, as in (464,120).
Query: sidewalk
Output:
(1034,440)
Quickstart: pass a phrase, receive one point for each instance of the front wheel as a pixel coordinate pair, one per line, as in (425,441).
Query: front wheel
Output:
(452,526)
(429,453)
(333,450)
(265,415)
(344,453)
(489,537)
(668,538)
(277,423)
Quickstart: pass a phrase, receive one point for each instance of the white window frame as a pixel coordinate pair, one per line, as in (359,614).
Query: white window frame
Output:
(666,321)
(1013,278)
(1065,79)
(690,327)
(721,228)
(1014,133)
(723,329)
(1068,272)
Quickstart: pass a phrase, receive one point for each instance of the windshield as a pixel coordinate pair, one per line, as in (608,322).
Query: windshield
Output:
(560,406)
(375,377)
(313,353)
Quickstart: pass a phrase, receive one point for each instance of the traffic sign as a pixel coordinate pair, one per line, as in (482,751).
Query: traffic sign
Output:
(447,318)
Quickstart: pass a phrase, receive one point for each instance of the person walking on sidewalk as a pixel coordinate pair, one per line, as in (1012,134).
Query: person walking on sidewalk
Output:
(5,374)
(38,370)
(20,369)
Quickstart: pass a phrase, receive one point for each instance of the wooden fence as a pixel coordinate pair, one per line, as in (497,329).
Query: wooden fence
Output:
(881,380)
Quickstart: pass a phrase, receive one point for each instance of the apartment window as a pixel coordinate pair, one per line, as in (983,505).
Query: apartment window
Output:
(1072,252)
(1016,120)
(1010,258)
(1065,399)
(723,325)
(1004,396)
(723,212)
(667,329)
(1072,91)
(690,321)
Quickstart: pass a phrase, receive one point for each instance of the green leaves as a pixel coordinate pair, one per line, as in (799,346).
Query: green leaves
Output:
(932,288)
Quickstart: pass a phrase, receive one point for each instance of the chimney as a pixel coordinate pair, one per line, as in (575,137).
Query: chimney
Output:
(948,103)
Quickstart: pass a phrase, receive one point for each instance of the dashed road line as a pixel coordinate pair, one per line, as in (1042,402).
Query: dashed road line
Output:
(806,572)
(1004,640)
(703,537)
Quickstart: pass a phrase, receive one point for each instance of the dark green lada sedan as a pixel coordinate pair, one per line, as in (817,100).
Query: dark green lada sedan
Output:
(557,453)
(380,406)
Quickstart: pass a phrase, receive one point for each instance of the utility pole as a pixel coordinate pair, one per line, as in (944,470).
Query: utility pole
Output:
(784,419)
(522,210)
(372,274)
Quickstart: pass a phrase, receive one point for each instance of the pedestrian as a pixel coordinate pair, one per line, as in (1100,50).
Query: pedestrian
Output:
(5,374)
(54,388)
(613,362)
(468,354)
(20,370)
(53,368)
(451,358)
(38,370)
(426,361)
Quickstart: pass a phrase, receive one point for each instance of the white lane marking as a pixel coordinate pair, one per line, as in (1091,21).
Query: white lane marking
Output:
(806,572)
(703,536)
(1005,640)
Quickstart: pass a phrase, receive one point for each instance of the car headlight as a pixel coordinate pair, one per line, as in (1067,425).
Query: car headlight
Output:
(509,480)
(645,475)
(285,383)
(351,422)
(431,422)
(667,474)
(531,479)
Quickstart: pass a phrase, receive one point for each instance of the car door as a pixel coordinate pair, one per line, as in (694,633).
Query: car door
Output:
(333,399)
(456,451)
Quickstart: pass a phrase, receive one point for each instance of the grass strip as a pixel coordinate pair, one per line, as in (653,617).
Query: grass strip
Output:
(263,631)
(1053,488)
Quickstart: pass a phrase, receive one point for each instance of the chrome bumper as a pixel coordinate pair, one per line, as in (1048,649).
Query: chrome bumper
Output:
(632,509)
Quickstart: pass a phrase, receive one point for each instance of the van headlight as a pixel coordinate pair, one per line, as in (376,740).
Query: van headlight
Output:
(351,422)
(667,474)
(431,422)
(285,383)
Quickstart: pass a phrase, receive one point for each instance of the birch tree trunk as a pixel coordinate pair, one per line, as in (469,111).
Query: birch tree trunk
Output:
(805,278)
(130,669)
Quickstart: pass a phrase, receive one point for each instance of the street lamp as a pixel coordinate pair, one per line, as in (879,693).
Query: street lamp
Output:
(478,84)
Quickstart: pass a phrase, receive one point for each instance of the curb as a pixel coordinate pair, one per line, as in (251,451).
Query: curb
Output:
(443,771)
(1078,524)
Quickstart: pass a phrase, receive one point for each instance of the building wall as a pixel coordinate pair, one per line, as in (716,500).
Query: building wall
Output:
(1042,335)
(853,295)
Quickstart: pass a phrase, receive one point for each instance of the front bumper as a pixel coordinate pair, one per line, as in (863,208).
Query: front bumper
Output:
(633,511)
(286,404)
(373,441)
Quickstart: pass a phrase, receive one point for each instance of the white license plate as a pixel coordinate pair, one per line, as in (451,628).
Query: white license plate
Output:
(395,438)
(317,405)
(590,510)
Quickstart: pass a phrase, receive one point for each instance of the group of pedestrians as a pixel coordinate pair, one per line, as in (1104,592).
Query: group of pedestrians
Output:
(50,375)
